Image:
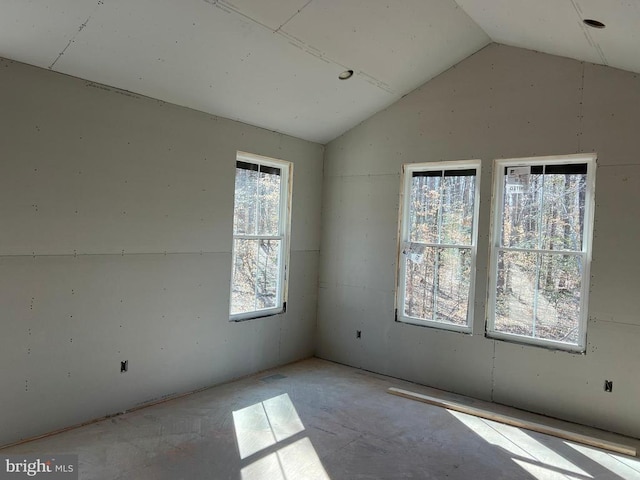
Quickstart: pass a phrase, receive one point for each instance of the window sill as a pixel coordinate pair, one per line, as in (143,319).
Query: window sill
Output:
(535,342)
(435,325)
(241,317)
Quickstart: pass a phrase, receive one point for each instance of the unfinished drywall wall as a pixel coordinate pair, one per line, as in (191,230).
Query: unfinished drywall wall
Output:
(115,244)
(502,102)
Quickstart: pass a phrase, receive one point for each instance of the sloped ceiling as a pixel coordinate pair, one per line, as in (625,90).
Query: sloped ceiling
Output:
(556,27)
(275,63)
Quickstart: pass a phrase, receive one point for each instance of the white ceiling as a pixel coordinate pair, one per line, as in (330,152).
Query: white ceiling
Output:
(275,63)
(555,26)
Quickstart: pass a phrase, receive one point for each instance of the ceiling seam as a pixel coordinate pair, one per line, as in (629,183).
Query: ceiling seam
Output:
(586,32)
(291,17)
(82,26)
(75,35)
(298,43)
(229,8)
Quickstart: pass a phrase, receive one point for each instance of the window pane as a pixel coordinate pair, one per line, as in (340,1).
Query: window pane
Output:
(269,201)
(558,302)
(267,273)
(458,194)
(256,271)
(453,276)
(419,285)
(243,286)
(438,280)
(516,280)
(424,206)
(538,295)
(261,192)
(521,214)
(246,198)
(563,211)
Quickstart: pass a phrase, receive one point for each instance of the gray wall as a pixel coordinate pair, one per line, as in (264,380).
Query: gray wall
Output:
(115,244)
(502,102)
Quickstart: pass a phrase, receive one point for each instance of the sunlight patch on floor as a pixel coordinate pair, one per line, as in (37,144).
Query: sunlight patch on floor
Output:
(267,424)
(531,455)
(625,467)
(295,461)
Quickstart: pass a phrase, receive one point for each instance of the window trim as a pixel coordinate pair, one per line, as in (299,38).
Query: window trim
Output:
(286,194)
(497,204)
(403,235)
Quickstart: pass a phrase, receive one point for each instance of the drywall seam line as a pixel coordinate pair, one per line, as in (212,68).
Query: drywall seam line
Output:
(302,45)
(364,287)
(616,322)
(128,254)
(587,34)
(291,17)
(121,254)
(227,7)
(356,175)
(493,370)
(73,39)
(581,108)
(618,165)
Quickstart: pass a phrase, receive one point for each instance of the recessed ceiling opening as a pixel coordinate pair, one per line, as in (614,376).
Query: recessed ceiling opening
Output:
(593,23)
(346,75)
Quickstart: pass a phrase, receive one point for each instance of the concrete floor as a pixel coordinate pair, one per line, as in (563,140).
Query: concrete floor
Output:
(318,420)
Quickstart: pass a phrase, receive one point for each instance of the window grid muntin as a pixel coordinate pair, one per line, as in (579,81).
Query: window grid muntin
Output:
(556,162)
(266,164)
(463,168)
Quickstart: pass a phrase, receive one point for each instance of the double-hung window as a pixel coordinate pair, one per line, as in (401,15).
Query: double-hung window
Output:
(541,250)
(438,230)
(260,236)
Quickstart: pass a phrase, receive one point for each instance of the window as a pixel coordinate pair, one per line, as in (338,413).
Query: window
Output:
(438,244)
(260,236)
(541,250)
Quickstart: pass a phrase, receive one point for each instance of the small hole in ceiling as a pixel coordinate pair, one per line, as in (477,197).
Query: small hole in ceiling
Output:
(593,23)
(346,75)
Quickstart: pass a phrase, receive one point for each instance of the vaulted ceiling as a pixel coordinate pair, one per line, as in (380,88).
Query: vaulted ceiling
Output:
(275,63)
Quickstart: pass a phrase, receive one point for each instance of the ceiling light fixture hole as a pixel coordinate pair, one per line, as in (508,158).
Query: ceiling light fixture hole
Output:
(593,23)
(346,75)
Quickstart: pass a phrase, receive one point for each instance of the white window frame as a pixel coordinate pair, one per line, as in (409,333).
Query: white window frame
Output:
(404,236)
(284,234)
(587,234)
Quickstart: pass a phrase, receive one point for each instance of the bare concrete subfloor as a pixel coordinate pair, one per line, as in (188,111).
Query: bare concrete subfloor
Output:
(318,420)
